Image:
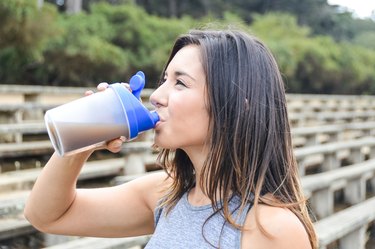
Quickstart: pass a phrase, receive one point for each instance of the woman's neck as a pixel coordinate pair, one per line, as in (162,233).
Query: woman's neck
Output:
(196,195)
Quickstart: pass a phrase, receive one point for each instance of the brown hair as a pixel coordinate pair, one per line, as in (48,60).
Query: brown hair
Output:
(250,143)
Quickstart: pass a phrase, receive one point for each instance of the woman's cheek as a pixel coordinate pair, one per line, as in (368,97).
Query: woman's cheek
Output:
(176,100)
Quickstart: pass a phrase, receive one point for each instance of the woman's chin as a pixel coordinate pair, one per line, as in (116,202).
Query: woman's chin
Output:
(163,145)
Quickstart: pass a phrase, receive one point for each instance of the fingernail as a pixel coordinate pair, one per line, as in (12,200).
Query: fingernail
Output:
(117,143)
(102,85)
(89,92)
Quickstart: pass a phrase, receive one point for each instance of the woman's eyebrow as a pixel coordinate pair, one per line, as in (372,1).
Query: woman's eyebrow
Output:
(180,73)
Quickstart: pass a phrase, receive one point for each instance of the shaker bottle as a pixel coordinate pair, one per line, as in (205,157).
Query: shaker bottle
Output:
(91,120)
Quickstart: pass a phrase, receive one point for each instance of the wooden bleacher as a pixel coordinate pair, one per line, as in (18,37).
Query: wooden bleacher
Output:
(18,183)
(352,179)
(334,144)
(348,227)
(103,243)
(15,132)
(312,135)
(330,155)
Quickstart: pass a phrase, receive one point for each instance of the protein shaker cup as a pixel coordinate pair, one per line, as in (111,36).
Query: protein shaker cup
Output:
(91,120)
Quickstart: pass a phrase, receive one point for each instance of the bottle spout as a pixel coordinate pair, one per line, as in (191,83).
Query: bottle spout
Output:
(146,119)
(155,117)
(137,83)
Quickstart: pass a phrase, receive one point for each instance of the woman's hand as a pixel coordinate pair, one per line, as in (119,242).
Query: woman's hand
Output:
(113,145)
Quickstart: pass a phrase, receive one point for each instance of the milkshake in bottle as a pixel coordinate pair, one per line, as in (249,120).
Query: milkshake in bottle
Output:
(92,120)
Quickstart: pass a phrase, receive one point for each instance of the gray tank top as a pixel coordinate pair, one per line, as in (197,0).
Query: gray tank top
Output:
(182,227)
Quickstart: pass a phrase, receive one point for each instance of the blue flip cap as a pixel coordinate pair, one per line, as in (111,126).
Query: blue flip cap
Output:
(139,117)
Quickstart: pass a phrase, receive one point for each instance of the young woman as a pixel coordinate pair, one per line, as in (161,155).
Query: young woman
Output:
(230,178)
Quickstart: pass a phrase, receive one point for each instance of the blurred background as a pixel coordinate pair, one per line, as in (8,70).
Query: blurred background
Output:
(321,47)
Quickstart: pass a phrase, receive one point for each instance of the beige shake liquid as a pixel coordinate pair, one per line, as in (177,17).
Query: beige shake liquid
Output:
(74,136)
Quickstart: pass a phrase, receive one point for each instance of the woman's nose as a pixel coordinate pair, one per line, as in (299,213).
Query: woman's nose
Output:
(158,97)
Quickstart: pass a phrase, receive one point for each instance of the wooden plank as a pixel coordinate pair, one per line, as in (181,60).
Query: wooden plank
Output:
(24,179)
(326,179)
(25,149)
(24,128)
(103,243)
(12,203)
(333,147)
(25,107)
(13,227)
(344,222)
(38,89)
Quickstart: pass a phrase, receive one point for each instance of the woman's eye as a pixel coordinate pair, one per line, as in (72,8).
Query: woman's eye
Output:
(179,82)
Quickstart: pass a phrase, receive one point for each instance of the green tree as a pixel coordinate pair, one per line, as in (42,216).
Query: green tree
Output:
(83,53)
(24,31)
(365,39)
(145,39)
(315,64)
(194,8)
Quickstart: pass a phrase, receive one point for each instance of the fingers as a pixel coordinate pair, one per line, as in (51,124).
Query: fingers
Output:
(102,86)
(127,86)
(89,92)
(115,145)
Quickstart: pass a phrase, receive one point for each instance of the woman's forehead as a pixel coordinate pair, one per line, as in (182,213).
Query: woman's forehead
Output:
(187,60)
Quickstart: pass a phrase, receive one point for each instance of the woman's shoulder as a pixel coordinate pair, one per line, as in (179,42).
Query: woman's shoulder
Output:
(282,229)
(158,178)
(152,187)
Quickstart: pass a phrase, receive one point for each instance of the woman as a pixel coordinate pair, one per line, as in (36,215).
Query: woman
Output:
(230,178)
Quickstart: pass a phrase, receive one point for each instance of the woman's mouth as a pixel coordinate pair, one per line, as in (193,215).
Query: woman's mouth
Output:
(160,121)
(161,118)
(158,124)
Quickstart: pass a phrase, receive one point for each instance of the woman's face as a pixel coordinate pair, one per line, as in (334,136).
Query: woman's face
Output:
(181,103)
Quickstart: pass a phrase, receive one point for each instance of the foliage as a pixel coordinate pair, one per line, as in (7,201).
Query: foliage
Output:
(365,39)
(24,31)
(315,64)
(144,38)
(110,42)
(317,14)
(83,52)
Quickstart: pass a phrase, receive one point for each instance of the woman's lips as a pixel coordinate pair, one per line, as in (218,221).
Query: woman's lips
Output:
(161,118)
(157,125)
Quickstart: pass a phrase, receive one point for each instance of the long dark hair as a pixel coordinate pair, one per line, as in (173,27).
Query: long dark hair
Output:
(251,150)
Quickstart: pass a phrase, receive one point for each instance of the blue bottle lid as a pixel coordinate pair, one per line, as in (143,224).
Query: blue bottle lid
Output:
(139,117)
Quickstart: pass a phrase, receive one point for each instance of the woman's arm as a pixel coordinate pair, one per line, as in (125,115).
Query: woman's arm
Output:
(56,206)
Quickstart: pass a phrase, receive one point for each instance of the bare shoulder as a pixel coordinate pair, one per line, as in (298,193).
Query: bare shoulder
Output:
(152,187)
(285,230)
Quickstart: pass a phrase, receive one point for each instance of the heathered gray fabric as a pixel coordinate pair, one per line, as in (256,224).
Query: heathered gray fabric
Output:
(182,227)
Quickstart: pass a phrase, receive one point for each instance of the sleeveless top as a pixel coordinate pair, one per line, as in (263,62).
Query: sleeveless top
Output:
(184,227)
